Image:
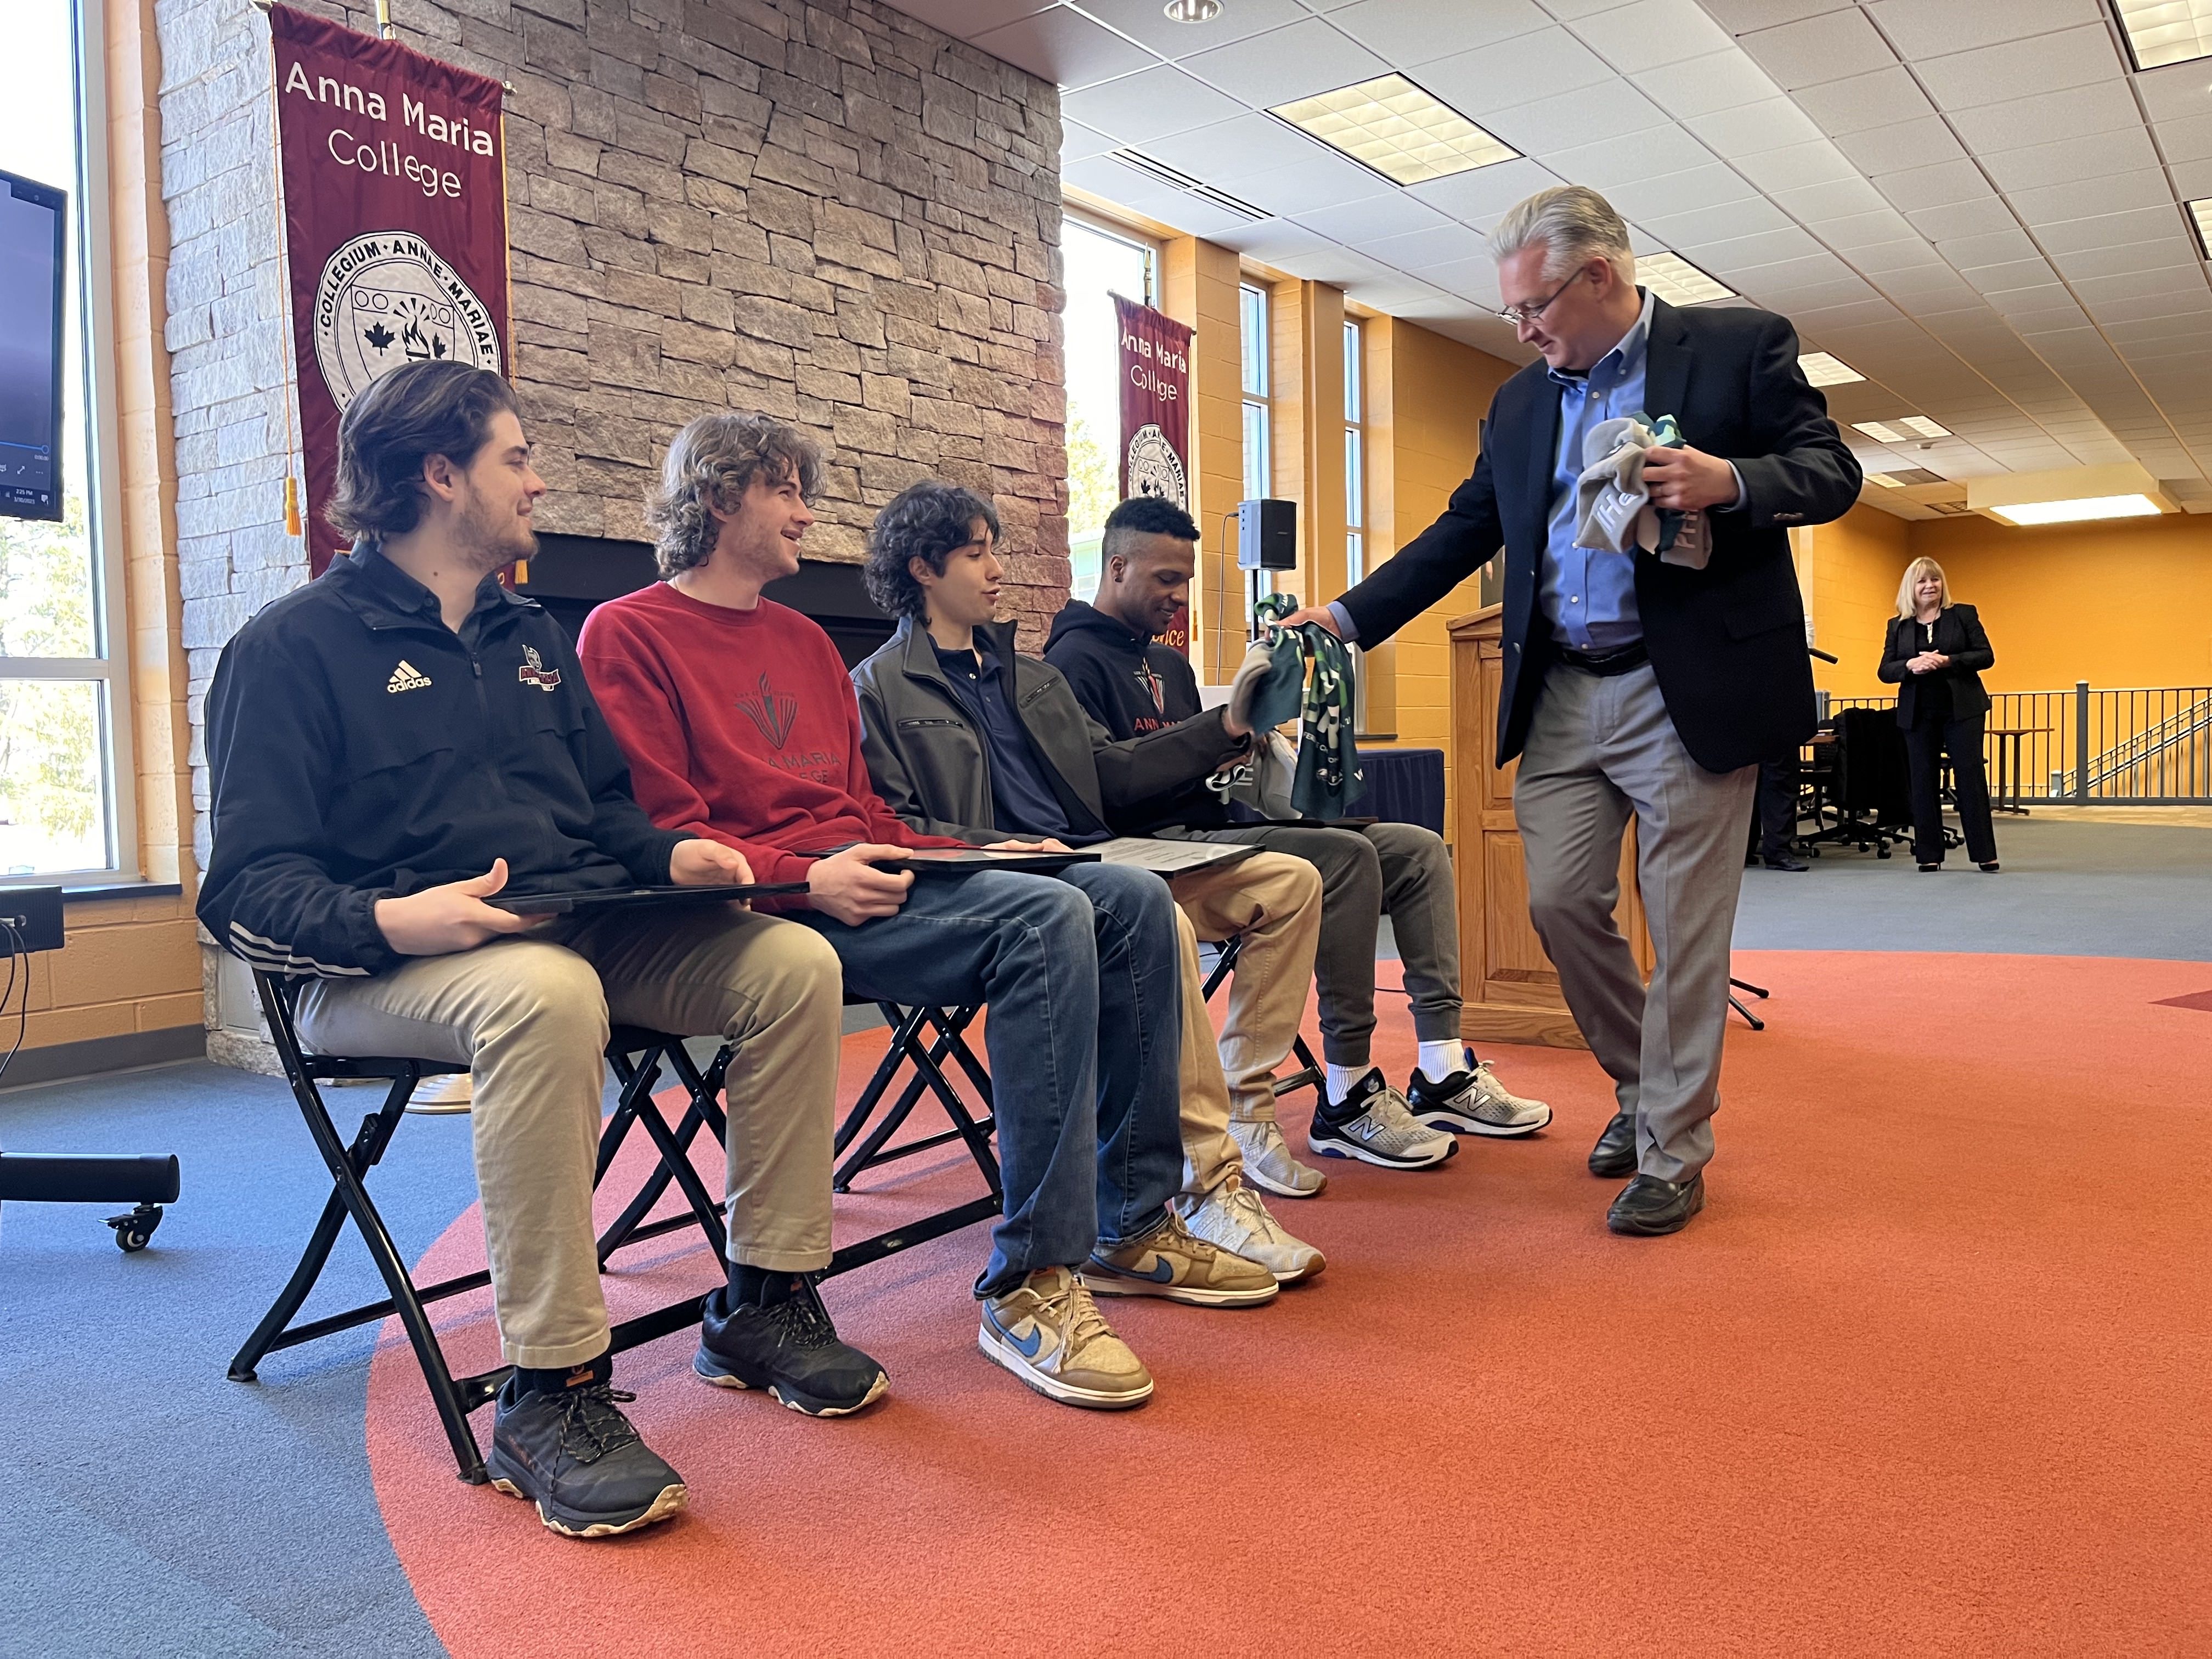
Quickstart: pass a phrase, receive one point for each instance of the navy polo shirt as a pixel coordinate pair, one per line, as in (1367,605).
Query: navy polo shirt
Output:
(1022,798)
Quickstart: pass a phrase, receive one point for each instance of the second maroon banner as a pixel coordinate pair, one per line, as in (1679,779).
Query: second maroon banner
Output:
(1155,416)
(395,224)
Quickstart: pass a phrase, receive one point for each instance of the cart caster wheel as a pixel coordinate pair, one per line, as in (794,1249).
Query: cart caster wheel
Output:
(133,1232)
(1882,853)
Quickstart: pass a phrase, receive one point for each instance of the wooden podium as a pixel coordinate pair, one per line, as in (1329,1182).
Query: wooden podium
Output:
(1511,990)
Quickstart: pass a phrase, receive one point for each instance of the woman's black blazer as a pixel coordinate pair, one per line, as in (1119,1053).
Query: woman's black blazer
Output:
(1959,636)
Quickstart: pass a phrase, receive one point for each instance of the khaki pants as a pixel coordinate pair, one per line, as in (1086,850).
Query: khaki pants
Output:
(1273,901)
(529,1017)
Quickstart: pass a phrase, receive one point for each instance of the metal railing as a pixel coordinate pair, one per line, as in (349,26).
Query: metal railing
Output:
(2144,745)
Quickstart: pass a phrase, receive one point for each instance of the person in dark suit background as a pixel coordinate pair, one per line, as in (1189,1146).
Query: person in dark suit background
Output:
(1631,683)
(1934,655)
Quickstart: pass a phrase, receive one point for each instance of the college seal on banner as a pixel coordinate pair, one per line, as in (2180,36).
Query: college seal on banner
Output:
(1154,468)
(388,299)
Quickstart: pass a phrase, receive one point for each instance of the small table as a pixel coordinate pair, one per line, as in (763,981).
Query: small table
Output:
(2007,778)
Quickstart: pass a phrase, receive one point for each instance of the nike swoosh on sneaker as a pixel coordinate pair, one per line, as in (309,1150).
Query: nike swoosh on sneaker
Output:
(1028,1344)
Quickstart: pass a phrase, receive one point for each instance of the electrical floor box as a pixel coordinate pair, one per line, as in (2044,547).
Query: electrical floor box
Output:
(35,915)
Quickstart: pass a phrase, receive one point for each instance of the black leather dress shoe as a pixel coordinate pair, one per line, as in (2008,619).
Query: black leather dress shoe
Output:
(1648,1206)
(1615,1152)
(1786,862)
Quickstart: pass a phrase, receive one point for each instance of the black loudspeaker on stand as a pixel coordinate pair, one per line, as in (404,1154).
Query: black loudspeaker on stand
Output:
(31,920)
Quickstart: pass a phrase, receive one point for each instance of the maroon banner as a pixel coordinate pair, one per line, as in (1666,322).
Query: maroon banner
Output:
(395,224)
(1156,417)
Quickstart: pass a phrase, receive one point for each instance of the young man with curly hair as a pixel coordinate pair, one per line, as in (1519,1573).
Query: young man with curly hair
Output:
(391,745)
(741,728)
(1130,686)
(965,736)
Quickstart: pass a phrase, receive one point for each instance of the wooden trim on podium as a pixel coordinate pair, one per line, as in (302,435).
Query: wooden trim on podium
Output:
(1511,990)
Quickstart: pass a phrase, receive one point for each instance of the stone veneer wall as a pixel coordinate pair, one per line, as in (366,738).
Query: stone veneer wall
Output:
(828,211)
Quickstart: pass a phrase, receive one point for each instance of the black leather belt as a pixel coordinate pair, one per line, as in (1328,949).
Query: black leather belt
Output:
(1605,664)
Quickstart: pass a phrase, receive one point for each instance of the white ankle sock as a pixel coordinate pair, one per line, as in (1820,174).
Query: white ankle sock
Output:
(1341,1079)
(1439,1061)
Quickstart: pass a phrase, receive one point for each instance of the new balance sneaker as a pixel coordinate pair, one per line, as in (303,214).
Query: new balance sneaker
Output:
(1233,1218)
(1174,1262)
(1371,1124)
(1474,1102)
(577,1457)
(789,1348)
(1051,1336)
(1268,1163)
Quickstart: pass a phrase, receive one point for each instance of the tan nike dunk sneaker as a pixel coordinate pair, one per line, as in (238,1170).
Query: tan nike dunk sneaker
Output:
(1174,1262)
(1050,1333)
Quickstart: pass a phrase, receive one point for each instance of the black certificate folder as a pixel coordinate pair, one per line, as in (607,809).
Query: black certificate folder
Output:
(594,899)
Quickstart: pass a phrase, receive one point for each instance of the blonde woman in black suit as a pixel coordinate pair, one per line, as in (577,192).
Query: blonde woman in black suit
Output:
(1934,655)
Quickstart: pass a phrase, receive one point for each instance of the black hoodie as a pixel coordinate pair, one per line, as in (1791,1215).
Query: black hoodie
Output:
(1130,685)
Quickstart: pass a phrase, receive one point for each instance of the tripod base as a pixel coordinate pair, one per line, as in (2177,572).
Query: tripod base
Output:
(1735,1002)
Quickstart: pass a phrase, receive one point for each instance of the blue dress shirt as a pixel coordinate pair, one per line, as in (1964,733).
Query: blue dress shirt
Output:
(1588,594)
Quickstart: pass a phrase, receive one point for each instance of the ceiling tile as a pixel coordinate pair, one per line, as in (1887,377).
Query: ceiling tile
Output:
(1147,21)
(1990,248)
(2009,274)
(2107,228)
(1752,128)
(1727,221)
(1290,63)
(1828,47)
(1794,166)
(1646,200)
(1837,321)
(2151,305)
(1645,155)
(1907,144)
(1880,100)
(1932,187)
(2187,282)
(2112,260)
(2186,140)
(1340,265)
(1839,198)
(1325,181)
(1977,218)
(1788,301)
(1698,86)
(2099,107)
(2094,156)
(1510,72)
(1103,176)
(1812,269)
(1931,29)
(2020,68)
(1477,279)
(1766,247)
(1742,16)
(1650,34)
(1862,230)
(2078,201)
(1908,253)
(1480,196)
(2192,179)
(1247,143)
(1065,47)
(1272,240)
(1079,143)
(1569,120)
(1417,250)
(1150,104)
(2174,93)
(1408,31)
(966,19)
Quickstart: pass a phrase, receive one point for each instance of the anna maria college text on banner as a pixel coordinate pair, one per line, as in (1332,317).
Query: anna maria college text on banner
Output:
(1155,416)
(395,224)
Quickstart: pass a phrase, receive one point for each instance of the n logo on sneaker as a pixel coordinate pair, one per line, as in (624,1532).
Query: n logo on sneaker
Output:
(406,677)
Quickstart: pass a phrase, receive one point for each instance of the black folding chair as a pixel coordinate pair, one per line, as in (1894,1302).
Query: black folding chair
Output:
(1309,1073)
(637,1056)
(947,1030)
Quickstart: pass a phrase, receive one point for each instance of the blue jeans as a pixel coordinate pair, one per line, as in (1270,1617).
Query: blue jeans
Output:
(1084,1030)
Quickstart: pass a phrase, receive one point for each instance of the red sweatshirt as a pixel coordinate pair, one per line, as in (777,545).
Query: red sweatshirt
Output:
(740,726)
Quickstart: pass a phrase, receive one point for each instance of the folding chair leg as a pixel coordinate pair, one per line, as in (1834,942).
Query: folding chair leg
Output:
(637,1102)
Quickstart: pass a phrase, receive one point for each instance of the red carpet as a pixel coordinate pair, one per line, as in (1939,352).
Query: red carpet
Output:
(1927,1377)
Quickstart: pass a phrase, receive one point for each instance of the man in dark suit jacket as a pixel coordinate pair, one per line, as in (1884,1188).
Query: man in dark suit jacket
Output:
(1635,682)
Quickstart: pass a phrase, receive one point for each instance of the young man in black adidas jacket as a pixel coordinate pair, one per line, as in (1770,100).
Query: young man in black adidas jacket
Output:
(393,744)
(1130,686)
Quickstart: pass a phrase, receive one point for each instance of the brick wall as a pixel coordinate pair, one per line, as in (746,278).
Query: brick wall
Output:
(830,212)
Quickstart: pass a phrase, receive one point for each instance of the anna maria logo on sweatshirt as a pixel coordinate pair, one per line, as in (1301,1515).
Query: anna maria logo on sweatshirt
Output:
(773,714)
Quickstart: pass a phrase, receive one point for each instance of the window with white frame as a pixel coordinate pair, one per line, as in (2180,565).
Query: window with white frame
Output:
(1098,263)
(64,708)
(1252,329)
(1355,458)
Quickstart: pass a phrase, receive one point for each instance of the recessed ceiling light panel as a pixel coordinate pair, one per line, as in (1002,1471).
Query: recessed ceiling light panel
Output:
(2162,31)
(1921,426)
(1677,282)
(1884,480)
(2074,512)
(1403,133)
(2200,213)
(1821,369)
(1879,433)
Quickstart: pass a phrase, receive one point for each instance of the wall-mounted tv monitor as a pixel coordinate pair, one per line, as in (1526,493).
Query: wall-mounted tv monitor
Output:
(33,266)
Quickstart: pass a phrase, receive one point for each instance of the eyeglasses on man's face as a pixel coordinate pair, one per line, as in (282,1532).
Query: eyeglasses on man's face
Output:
(1517,315)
